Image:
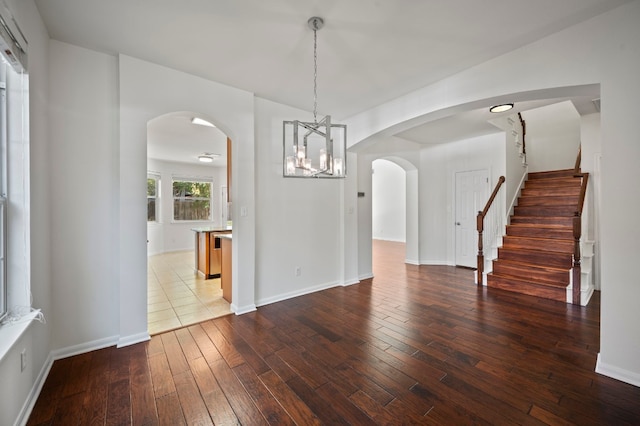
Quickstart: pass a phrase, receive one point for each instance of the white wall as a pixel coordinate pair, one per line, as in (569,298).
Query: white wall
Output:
(165,235)
(389,195)
(148,91)
(83,102)
(553,137)
(515,165)
(438,166)
(299,220)
(606,51)
(620,229)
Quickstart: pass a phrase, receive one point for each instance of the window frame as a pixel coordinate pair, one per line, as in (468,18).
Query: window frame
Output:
(4,292)
(192,179)
(156,197)
(4,308)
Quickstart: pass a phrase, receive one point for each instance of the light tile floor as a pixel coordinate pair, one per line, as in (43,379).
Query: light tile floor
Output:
(177,296)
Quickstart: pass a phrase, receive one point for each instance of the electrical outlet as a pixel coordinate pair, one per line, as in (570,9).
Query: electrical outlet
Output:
(298,271)
(23,360)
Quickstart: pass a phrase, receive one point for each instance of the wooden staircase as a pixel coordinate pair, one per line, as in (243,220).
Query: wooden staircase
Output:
(537,252)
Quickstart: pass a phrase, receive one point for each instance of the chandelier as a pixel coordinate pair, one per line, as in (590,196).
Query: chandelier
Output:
(314,149)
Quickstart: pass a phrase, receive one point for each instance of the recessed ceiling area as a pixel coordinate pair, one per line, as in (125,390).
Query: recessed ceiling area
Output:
(174,137)
(452,128)
(480,121)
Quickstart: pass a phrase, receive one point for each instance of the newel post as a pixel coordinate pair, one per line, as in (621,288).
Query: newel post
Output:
(577,232)
(480,225)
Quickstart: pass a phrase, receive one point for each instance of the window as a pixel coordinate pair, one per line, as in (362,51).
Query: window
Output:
(153,193)
(191,199)
(3,201)
(15,207)
(3,258)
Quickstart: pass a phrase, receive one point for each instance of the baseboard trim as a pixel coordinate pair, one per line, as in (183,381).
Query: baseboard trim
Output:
(292,294)
(391,240)
(412,262)
(350,282)
(365,277)
(617,373)
(32,398)
(84,347)
(133,339)
(242,310)
(436,263)
(585,296)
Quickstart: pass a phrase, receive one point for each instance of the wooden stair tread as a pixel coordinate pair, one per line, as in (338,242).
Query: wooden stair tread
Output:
(528,251)
(555,245)
(513,245)
(552,226)
(559,211)
(548,200)
(551,174)
(551,179)
(524,287)
(541,231)
(537,239)
(548,275)
(552,183)
(534,266)
(557,190)
(537,257)
(538,220)
(529,282)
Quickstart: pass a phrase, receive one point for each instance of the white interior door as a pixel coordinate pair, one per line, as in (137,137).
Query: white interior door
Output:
(471,196)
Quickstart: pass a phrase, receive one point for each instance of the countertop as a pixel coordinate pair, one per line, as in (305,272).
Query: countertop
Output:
(228,236)
(210,229)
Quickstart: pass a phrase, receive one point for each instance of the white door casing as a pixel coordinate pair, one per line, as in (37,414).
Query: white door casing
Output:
(471,195)
(223,206)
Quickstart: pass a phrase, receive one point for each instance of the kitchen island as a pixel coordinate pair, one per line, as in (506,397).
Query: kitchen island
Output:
(208,256)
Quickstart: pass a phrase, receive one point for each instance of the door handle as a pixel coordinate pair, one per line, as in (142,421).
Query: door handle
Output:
(458,223)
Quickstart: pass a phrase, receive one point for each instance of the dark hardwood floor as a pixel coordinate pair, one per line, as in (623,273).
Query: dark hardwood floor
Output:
(415,345)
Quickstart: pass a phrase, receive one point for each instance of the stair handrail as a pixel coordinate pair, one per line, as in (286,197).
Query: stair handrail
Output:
(578,160)
(480,227)
(577,235)
(524,135)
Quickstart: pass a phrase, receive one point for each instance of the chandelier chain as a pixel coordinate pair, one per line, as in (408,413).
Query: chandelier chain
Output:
(315,76)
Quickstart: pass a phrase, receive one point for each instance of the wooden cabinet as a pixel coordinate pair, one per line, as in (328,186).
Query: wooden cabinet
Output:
(225,273)
(207,252)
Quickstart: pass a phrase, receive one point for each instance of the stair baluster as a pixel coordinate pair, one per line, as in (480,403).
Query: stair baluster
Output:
(480,226)
(577,235)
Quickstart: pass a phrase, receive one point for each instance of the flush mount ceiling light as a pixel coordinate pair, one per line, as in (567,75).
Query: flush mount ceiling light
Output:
(314,149)
(207,157)
(201,122)
(501,108)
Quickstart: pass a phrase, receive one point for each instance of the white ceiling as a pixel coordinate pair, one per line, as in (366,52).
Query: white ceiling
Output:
(174,138)
(369,52)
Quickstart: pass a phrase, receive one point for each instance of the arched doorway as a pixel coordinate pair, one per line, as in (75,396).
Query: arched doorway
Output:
(186,190)
(395,204)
